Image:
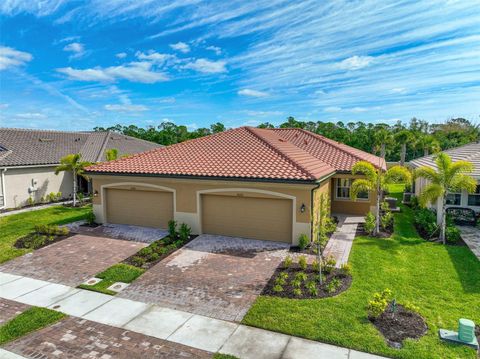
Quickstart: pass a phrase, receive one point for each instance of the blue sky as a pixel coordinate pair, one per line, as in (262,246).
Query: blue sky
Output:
(74,65)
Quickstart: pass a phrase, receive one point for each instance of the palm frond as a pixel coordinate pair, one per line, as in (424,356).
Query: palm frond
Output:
(427,173)
(443,162)
(460,167)
(365,168)
(431,193)
(361,185)
(398,174)
(463,182)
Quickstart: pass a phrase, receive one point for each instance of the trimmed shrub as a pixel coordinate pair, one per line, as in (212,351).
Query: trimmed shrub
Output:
(302,262)
(369,223)
(138,261)
(287,263)
(452,234)
(184,232)
(90,218)
(425,221)
(378,303)
(303,241)
(172,229)
(345,269)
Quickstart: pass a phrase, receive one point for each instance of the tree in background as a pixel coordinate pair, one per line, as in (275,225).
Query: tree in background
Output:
(447,178)
(403,137)
(111,154)
(376,180)
(73,163)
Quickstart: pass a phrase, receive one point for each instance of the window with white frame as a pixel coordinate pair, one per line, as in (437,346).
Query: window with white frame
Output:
(474,198)
(454,199)
(343,189)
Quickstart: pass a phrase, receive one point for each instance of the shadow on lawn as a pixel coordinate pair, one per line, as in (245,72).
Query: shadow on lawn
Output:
(467,267)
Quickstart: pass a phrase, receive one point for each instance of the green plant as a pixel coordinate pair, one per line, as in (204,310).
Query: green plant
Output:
(301,276)
(283,275)
(411,307)
(378,303)
(138,261)
(446,177)
(90,218)
(296,283)
(43,199)
(278,288)
(333,285)
(346,269)
(72,163)
(369,224)
(172,229)
(330,263)
(316,265)
(153,257)
(52,197)
(426,222)
(80,196)
(302,262)
(184,232)
(386,218)
(297,292)
(111,154)
(303,241)
(145,252)
(58,196)
(30,201)
(312,288)
(453,234)
(287,263)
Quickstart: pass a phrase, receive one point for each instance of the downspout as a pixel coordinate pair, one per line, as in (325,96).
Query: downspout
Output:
(3,188)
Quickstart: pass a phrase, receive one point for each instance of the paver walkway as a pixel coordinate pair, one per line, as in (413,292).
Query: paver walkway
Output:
(72,260)
(36,208)
(216,276)
(175,326)
(471,236)
(340,244)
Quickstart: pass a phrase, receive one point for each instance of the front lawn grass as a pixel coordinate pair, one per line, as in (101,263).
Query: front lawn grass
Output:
(443,281)
(116,273)
(14,226)
(30,320)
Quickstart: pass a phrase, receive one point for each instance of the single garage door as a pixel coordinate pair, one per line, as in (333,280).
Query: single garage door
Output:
(139,208)
(247,217)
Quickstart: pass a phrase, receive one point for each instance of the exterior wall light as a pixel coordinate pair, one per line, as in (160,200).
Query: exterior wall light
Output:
(302,207)
(95,194)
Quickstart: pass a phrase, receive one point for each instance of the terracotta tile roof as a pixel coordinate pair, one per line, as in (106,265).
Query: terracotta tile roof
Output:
(245,152)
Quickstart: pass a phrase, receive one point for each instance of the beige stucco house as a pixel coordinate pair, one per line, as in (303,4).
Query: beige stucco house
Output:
(246,182)
(28,159)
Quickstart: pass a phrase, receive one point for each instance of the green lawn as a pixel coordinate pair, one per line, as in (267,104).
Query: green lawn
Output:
(443,281)
(116,273)
(17,225)
(32,319)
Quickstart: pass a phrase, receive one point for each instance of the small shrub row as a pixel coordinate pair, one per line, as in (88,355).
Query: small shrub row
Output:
(425,221)
(51,230)
(43,235)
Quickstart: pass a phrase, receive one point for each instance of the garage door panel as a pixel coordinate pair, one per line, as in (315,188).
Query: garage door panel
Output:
(139,207)
(258,218)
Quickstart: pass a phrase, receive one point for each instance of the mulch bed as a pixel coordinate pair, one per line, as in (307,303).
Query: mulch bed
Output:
(161,243)
(398,326)
(382,234)
(312,275)
(22,242)
(90,225)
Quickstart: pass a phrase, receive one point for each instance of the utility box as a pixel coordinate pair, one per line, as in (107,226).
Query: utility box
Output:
(466,330)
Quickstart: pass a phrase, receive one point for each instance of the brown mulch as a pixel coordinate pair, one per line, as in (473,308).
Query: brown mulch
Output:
(312,275)
(398,326)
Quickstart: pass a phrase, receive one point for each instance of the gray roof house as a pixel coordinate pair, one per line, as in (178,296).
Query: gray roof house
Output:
(470,153)
(28,159)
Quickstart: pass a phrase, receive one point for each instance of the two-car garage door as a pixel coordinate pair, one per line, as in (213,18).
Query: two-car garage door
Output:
(139,207)
(248,217)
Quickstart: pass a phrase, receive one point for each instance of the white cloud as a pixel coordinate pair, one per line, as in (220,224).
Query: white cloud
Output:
(133,72)
(77,49)
(10,57)
(30,116)
(215,49)
(121,55)
(358,109)
(263,113)
(355,62)
(153,57)
(126,108)
(181,46)
(333,109)
(252,93)
(207,66)
(399,90)
(3,105)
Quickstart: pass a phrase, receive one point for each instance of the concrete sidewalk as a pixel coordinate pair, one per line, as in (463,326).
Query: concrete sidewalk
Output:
(35,208)
(173,325)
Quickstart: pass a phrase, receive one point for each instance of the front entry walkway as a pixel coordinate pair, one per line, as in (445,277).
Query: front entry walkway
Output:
(216,276)
(340,244)
(471,236)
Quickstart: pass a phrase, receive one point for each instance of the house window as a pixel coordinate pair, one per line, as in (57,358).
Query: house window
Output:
(454,199)
(474,198)
(343,189)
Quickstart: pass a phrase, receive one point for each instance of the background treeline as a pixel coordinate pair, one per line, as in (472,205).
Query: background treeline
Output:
(415,139)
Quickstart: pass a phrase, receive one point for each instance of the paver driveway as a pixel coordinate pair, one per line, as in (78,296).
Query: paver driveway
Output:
(215,276)
(73,260)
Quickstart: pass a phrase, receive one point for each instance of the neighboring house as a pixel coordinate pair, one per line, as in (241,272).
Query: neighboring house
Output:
(28,159)
(470,153)
(246,182)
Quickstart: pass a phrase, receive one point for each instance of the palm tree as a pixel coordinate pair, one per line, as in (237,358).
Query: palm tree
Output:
(111,154)
(376,181)
(72,163)
(382,138)
(447,177)
(403,137)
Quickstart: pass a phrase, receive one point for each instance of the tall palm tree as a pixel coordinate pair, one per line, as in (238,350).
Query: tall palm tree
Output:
(447,177)
(403,137)
(111,154)
(376,181)
(72,163)
(382,138)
